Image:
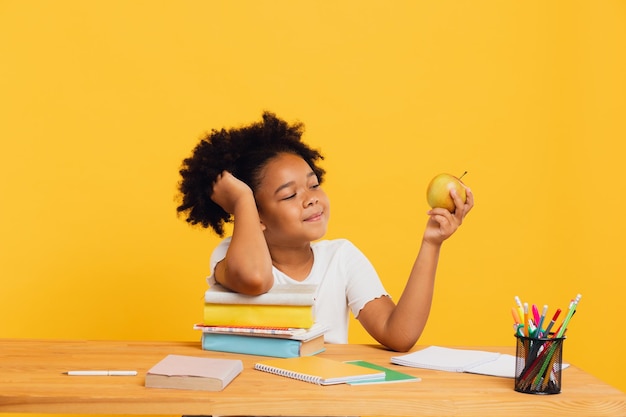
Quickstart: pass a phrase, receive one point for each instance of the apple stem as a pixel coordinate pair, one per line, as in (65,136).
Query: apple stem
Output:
(463,175)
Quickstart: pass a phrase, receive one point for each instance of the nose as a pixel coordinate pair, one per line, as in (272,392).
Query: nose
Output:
(309,201)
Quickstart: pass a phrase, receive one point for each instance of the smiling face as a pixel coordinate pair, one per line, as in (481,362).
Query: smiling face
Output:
(293,208)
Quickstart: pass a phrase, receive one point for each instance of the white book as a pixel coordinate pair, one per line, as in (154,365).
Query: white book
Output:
(280,294)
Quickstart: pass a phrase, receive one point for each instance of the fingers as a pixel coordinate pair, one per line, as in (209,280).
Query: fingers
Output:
(442,216)
(441,225)
(219,191)
(462,208)
(444,219)
(228,191)
(469,202)
(221,175)
(223,180)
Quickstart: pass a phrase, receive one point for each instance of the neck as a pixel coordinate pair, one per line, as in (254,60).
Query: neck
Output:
(295,262)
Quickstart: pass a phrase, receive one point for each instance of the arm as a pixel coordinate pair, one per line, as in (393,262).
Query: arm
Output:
(247,267)
(399,326)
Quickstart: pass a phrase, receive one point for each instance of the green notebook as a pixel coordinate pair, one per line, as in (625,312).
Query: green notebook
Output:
(390,374)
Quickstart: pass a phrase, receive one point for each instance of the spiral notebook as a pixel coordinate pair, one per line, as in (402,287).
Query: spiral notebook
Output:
(319,370)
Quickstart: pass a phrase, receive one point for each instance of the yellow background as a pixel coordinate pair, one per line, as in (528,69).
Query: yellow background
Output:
(101,101)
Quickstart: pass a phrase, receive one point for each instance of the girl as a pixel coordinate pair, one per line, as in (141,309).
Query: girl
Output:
(266,181)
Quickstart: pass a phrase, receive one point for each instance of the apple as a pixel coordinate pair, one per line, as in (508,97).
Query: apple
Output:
(438,192)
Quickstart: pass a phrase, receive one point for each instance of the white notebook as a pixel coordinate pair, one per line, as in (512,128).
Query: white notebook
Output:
(461,360)
(445,359)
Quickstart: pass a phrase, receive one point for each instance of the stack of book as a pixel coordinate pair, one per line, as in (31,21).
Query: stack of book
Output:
(279,323)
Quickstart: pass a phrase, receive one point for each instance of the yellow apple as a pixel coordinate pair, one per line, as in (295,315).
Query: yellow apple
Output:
(438,192)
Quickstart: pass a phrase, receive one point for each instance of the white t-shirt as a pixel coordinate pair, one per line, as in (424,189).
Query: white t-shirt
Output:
(345,278)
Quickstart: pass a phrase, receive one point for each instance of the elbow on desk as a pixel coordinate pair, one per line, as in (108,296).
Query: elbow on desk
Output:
(400,344)
(401,347)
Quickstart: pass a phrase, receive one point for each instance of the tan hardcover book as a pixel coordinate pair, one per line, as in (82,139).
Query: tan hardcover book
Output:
(193,373)
(312,346)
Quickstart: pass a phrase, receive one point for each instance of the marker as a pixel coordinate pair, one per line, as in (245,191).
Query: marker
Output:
(516,317)
(101,373)
(556,316)
(518,326)
(541,319)
(535,314)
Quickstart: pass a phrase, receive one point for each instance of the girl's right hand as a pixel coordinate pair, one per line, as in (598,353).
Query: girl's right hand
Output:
(229,190)
(442,224)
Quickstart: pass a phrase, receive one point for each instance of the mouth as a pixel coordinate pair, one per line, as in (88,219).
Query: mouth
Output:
(314,217)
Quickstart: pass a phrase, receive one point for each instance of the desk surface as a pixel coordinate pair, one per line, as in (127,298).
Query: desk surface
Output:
(31,380)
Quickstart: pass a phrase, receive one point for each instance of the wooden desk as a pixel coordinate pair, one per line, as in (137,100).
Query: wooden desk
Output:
(31,380)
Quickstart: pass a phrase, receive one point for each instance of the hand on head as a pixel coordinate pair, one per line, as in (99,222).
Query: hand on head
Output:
(228,191)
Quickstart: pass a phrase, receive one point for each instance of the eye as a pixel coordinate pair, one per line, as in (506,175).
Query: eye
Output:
(314,186)
(289,197)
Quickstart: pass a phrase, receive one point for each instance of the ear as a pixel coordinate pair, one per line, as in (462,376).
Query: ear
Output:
(263,226)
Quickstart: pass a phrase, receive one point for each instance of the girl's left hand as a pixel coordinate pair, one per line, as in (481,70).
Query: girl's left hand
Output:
(442,224)
(229,190)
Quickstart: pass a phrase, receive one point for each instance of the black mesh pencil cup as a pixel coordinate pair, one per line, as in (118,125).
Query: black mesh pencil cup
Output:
(538,365)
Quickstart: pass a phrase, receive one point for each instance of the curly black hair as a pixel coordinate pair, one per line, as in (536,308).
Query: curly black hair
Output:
(244,152)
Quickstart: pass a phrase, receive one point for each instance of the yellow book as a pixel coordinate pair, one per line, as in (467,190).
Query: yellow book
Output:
(258,315)
(319,370)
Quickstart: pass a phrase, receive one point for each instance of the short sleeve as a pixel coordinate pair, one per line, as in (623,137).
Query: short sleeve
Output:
(217,255)
(363,283)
